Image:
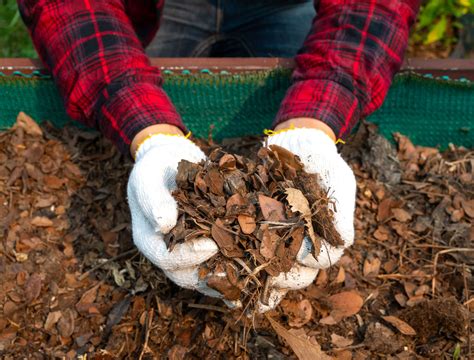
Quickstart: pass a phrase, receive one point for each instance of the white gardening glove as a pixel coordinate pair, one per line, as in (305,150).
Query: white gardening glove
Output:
(319,155)
(155,211)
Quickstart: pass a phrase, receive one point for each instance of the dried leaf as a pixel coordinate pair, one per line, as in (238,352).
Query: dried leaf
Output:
(66,324)
(41,221)
(385,208)
(287,157)
(51,320)
(401,299)
(371,267)
(53,182)
(343,304)
(272,210)
(215,181)
(33,287)
(223,238)
(382,233)
(299,203)
(401,325)
(116,314)
(303,348)
(247,223)
(298,312)
(177,352)
(270,240)
(340,341)
(28,124)
(468,206)
(341,276)
(401,215)
(221,283)
(87,299)
(227,162)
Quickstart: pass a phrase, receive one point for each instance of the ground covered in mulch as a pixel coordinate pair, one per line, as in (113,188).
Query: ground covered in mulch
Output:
(73,284)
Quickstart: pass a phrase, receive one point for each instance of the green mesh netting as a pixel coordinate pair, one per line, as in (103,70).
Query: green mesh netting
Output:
(432,112)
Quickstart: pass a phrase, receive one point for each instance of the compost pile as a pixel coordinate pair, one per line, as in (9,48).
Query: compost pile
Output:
(73,284)
(256,210)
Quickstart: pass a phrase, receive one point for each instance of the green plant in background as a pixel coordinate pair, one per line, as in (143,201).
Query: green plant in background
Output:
(14,38)
(439,21)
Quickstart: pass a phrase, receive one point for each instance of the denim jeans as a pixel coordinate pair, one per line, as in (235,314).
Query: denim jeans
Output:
(232,28)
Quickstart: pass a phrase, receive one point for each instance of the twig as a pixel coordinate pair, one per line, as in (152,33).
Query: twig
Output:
(208,307)
(255,272)
(466,294)
(249,271)
(243,264)
(148,322)
(435,264)
(401,276)
(98,266)
(264,298)
(468,302)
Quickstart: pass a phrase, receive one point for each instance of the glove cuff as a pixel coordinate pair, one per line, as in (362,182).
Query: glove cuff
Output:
(301,138)
(166,141)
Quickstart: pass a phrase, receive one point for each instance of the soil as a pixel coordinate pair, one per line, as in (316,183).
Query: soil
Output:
(73,284)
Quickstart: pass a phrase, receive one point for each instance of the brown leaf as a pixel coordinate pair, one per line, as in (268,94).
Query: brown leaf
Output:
(51,320)
(340,341)
(41,221)
(385,208)
(299,203)
(227,162)
(223,238)
(343,304)
(235,204)
(468,206)
(215,181)
(341,276)
(66,324)
(371,267)
(269,242)
(87,299)
(401,215)
(28,124)
(33,287)
(382,233)
(53,182)
(45,201)
(298,312)
(303,348)
(287,157)
(272,210)
(177,352)
(401,299)
(247,223)
(221,283)
(401,325)
(200,183)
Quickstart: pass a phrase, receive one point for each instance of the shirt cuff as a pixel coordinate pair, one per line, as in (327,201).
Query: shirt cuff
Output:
(132,109)
(324,100)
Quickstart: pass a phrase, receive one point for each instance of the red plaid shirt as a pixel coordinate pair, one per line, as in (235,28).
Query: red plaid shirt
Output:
(94,49)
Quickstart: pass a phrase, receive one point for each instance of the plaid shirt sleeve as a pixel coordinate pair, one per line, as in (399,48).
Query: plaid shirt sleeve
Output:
(348,61)
(94,50)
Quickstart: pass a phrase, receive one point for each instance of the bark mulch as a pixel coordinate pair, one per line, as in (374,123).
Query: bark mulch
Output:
(73,284)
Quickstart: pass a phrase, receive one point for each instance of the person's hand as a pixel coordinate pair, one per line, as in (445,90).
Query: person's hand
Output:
(319,155)
(154,210)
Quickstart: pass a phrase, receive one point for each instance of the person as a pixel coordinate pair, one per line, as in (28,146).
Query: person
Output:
(346,54)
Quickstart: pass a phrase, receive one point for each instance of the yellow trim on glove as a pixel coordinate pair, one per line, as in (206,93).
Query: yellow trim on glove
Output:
(187,136)
(270,132)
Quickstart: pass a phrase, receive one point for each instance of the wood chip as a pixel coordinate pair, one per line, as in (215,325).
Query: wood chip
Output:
(401,325)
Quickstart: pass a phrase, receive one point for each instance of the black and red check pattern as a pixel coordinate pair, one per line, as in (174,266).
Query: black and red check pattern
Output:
(94,49)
